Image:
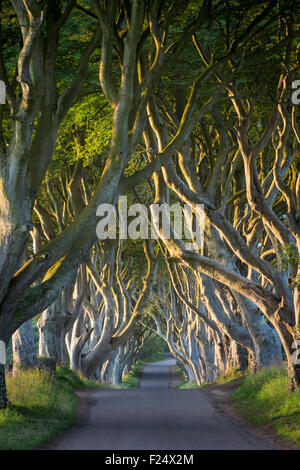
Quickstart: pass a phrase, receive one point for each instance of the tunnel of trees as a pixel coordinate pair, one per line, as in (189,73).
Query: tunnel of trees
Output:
(162,101)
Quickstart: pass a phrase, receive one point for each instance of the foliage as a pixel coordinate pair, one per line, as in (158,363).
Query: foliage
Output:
(153,347)
(85,133)
(288,255)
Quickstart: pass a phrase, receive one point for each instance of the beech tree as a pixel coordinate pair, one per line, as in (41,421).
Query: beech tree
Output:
(274,290)
(38,105)
(191,106)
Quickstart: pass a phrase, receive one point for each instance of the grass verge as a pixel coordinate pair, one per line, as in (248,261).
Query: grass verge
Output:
(264,398)
(234,376)
(39,407)
(188,385)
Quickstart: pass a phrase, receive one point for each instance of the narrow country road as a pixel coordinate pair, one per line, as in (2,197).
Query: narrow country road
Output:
(154,417)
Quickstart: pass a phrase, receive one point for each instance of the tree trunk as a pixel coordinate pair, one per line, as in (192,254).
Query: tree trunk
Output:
(51,325)
(118,366)
(47,331)
(127,368)
(288,342)
(103,375)
(24,350)
(294,375)
(117,374)
(3,392)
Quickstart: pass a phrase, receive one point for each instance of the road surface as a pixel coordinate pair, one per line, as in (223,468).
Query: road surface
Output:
(154,417)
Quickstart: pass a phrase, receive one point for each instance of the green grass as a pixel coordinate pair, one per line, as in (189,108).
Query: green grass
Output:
(39,407)
(228,378)
(188,385)
(75,379)
(264,398)
(232,376)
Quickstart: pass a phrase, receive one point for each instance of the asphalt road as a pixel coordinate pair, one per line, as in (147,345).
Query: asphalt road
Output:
(154,417)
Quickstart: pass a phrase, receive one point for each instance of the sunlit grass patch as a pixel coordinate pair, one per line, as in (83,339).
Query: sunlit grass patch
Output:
(264,398)
(189,385)
(231,376)
(39,407)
